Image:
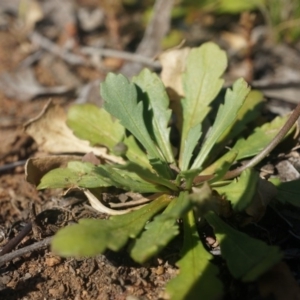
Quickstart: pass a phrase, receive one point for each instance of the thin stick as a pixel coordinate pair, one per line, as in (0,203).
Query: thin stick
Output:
(122,55)
(12,165)
(36,246)
(266,151)
(16,240)
(260,156)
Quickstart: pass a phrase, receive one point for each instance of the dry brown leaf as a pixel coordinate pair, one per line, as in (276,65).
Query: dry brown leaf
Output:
(279,284)
(31,12)
(173,65)
(266,191)
(52,135)
(37,167)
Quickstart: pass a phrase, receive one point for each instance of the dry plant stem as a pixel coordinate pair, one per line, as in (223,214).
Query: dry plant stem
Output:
(17,239)
(36,246)
(12,165)
(122,55)
(260,156)
(48,45)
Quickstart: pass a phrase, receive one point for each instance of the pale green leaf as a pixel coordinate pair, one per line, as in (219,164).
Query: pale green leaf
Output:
(201,83)
(240,191)
(155,93)
(258,140)
(288,192)
(226,116)
(236,6)
(221,166)
(161,230)
(121,101)
(94,124)
(247,258)
(198,277)
(76,174)
(91,237)
(135,153)
(129,181)
(189,146)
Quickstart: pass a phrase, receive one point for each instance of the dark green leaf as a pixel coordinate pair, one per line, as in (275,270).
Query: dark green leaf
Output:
(247,258)
(91,237)
(240,191)
(158,99)
(161,230)
(198,277)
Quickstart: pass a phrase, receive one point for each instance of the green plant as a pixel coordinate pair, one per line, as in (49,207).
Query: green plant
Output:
(196,183)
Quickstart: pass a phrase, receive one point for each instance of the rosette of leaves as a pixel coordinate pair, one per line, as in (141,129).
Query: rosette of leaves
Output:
(187,179)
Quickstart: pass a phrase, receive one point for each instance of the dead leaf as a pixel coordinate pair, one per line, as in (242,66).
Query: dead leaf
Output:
(52,135)
(173,66)
(22,85)
(30,12)
(91,157)
(279,283)
(37,167)
(266,191)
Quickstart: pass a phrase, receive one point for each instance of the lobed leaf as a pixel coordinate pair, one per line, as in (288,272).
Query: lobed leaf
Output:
(76,174)
(249,111)
(198,277)
(91,237)
(258,140)
(201,83)
(225,118)
(155,93)
(161,230)
(240,191)
(94,124)
(129,181)
(121,101)
(247,258)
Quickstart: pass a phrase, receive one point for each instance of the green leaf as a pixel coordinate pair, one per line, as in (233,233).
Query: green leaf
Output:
(121,101)
(128,180)
(156,94)
(240,191)
(247,258)
(288,192)
(198,277)
(201,83)
(91,123)
(189,146)
(77,174)
(226,116)
(91,237)
(258,140)
(135,153)
(161,230)
(148,176)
